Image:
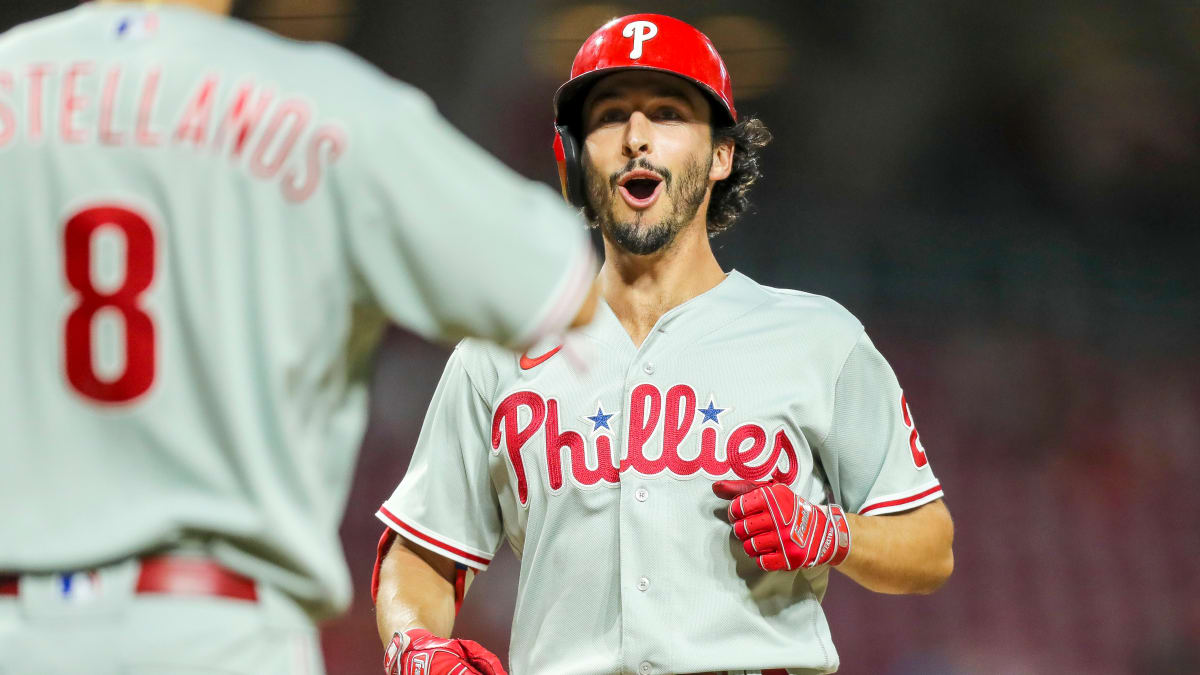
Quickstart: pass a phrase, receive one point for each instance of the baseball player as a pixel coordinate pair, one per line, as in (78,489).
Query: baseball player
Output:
(202,229)
(677,506)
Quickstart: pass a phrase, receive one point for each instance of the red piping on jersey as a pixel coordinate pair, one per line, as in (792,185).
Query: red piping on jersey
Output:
(385,543)
(426,538)
(902,500)
(460,586)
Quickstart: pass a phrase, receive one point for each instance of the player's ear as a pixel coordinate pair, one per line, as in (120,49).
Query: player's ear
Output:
(722,162)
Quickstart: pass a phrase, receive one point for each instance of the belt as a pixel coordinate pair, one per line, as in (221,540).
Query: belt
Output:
(176,575)
(769,671)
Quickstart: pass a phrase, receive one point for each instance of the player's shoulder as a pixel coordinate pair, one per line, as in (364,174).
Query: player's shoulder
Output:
(801,308)
(484,362)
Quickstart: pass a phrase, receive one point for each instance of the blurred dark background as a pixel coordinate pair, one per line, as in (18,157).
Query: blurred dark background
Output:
(1000,191)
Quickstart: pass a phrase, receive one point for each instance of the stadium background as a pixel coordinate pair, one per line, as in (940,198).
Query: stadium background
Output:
(999,191)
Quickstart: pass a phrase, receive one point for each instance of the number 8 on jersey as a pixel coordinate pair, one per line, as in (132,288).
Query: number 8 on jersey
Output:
(138,371)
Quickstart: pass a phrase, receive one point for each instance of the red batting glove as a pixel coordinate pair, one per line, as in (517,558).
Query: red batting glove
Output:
(780,530)
(428,654)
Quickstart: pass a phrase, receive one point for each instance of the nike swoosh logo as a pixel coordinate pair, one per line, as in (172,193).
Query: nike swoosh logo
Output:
(527,363)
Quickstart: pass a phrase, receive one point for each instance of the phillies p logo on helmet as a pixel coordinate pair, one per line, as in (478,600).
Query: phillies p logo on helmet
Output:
(640,31)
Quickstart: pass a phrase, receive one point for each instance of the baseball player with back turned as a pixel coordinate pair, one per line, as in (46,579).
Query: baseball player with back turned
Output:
(203,227)
(678,506)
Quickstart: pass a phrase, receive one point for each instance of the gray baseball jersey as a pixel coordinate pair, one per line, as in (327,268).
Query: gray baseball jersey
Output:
(600,480)
(203,226)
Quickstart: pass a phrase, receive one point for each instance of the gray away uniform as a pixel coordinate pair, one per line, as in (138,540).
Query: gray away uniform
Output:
(601,480)
(203,227)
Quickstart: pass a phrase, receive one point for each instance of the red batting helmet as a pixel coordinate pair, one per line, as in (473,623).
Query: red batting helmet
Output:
(642,42)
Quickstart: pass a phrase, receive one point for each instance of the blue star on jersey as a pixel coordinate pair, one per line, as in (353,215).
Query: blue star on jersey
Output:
(600,420)
(710,413)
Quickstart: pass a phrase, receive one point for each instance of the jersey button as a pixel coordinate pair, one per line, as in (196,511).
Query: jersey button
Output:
(640,494)
(645,668)
(649,368)
(643,584)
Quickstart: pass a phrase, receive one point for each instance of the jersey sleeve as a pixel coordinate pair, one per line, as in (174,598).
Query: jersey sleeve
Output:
(872,454)
(450,242)
(446,501)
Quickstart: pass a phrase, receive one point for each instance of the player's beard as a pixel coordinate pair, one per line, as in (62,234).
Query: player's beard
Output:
(686,192)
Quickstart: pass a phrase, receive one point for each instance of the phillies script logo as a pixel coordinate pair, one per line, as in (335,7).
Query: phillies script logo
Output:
(521,415)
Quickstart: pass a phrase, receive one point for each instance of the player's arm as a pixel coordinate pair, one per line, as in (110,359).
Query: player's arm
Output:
(907,552)
(416,590)
(443,521)
(901,534)
(876,465)
(900,553)
(452,243)
(417,596)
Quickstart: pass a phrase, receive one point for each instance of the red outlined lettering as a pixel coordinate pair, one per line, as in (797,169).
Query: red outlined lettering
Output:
(144,135)
(8,120)
(678,415)
(606,465)
(292,113)
(193,123)
(72,102)
(784,444)
(139,371)
(520,416)
(330,138)
(708,454)
(557,440)
(645,410)
(739,460)
(506,428)
(242,118)
(37,78)
(108,102)
(914,439)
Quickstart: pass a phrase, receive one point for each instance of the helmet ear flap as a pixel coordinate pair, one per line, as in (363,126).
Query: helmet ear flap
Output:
(570,167)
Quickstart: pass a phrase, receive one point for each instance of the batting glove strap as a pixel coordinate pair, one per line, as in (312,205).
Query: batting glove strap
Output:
(391,655)
(841,531)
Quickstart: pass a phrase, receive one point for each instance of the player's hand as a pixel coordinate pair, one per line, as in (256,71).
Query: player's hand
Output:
(780,530)
(428,654)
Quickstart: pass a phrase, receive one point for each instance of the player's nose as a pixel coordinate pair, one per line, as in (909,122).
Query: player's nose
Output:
(637,135)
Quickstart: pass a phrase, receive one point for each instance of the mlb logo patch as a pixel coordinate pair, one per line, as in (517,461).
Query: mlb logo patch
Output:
(79,586)
(137,26)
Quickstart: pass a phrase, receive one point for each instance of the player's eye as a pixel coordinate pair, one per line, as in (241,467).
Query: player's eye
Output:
(668,114)
(611,116)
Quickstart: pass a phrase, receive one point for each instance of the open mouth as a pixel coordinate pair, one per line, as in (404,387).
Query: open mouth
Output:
(640,188)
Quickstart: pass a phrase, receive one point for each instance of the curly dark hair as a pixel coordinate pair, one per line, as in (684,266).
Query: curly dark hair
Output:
(731,196)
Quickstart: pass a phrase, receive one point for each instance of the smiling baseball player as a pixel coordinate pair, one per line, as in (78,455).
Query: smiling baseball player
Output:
(202,229)
(678,505)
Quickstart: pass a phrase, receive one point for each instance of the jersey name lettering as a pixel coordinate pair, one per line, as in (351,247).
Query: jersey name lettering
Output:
(525,415)
(279,138)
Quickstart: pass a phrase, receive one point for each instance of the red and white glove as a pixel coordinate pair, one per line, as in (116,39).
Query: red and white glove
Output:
(419,652)
(782,531)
